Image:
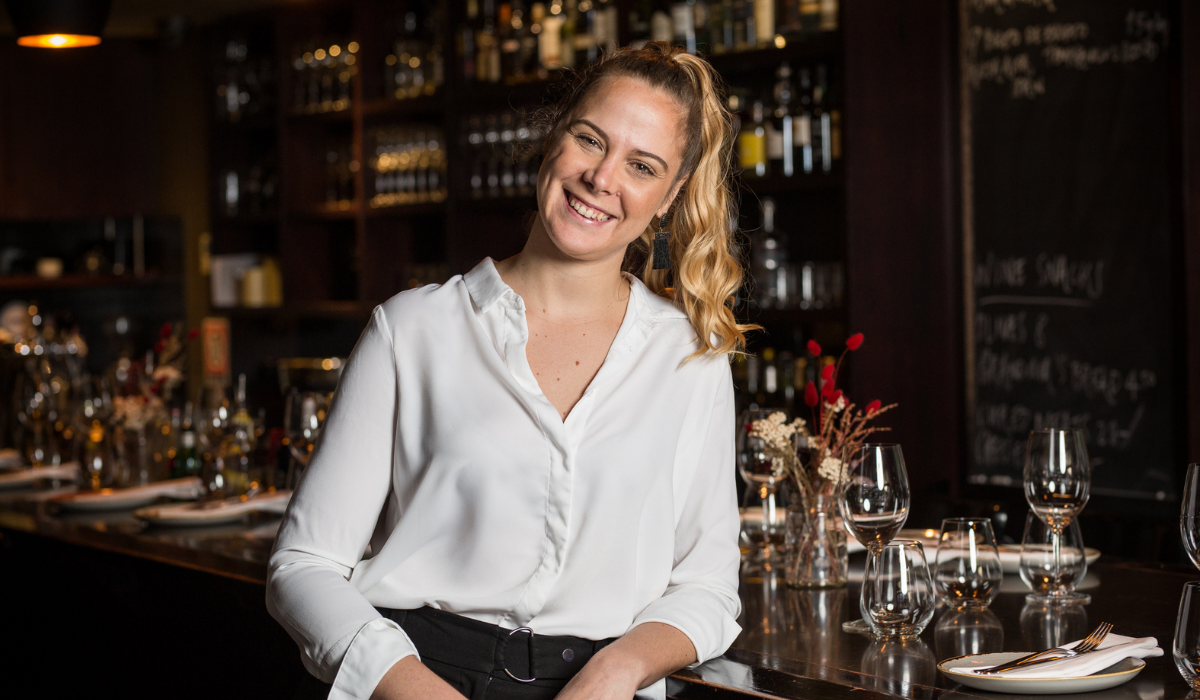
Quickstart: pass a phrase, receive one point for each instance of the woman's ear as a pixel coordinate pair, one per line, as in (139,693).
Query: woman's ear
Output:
(666,207)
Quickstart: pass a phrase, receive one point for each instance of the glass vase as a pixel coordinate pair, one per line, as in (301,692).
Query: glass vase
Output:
(817,544)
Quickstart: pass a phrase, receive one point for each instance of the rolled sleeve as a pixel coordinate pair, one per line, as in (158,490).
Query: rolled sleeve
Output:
(375,649)
(701,599)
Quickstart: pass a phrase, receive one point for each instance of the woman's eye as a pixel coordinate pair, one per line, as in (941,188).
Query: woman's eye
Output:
(587,140)
(643,169)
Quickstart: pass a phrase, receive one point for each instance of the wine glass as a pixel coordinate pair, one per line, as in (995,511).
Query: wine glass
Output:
(1057,480)
(1189,515)
(1186,646)
(303,416)
(874,500)
(762,474)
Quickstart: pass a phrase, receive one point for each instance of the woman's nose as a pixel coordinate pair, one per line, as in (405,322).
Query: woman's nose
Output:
(600,175)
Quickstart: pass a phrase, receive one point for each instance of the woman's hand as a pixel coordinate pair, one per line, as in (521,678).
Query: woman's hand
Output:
(647,653)
(409,679)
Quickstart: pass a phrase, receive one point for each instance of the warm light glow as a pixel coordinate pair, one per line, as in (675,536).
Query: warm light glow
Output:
(352,47)
(780,42)
(58,41)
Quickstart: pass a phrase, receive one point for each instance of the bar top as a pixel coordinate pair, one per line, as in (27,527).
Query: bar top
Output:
(792,644)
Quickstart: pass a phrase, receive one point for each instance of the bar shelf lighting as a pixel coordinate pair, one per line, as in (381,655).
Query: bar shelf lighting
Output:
(58,24)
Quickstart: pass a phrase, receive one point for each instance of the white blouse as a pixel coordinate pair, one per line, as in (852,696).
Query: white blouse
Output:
(443,460)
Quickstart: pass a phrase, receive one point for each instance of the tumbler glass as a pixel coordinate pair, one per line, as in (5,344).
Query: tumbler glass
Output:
(967,567)
(1186,648)
(1048,581)
(898,595)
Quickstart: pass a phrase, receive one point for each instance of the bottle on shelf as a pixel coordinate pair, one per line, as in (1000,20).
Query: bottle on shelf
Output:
(781,150)
(186,461)
(788,20)
(752,143)
(810,15)
(467,49)
(683,24)
(587,47)
(822,120)
(802,125)
(769,258)
(550,38)
(829,16)
(570,26)
(764,23)
(661,28)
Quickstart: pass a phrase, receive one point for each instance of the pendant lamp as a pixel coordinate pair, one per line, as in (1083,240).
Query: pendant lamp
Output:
(58,24)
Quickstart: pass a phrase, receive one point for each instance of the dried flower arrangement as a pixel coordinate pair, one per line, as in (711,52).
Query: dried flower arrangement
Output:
(840,429)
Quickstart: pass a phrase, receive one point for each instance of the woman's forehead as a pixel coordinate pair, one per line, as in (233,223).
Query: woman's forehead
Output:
(631,102)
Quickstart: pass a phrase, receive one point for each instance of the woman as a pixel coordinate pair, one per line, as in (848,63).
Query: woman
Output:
(537,456)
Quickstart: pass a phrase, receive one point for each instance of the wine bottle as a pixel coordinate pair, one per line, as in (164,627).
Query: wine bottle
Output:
(752,143)
(782,152)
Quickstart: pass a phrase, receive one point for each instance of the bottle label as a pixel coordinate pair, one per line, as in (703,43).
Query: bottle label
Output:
(764,21)
(774,143)
(660,27)
(550,43)
(752,149)
(802,130)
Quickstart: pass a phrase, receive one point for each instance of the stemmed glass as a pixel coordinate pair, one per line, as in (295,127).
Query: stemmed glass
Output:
(1057,481)
(762,473)
(303,417)
(874,501)
(1189,515)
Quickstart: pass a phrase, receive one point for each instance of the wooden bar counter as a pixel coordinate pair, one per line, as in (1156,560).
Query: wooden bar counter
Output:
(95,602)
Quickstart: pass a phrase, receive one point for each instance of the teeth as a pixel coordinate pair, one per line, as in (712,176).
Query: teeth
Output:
(586,211)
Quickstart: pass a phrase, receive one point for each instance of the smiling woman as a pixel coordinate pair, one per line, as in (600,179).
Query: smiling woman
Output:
(551,514)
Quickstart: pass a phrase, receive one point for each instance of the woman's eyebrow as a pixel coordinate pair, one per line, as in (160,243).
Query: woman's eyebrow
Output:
(638,152)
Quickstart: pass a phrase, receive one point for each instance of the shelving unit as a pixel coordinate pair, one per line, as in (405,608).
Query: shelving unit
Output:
(343,258)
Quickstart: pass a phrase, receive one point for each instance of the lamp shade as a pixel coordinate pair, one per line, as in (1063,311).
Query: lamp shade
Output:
(58,23)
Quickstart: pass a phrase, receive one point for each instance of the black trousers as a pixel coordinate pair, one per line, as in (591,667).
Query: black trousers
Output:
(483,661)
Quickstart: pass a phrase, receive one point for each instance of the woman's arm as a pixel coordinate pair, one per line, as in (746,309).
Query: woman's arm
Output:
(410,679)
(343,639)
(645,654)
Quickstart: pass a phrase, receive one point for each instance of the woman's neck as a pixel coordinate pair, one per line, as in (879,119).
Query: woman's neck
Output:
(564,289)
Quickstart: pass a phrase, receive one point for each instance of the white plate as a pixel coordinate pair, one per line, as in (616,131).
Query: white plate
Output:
(1010,557)
(127,498)
(25,477)
(213,513)
(1114,675)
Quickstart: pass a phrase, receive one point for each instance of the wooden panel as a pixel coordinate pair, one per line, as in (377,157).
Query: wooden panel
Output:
(77,131)
(903,240)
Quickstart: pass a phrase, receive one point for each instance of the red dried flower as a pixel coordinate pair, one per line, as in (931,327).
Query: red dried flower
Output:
(835,396)
(874,406)
(854,341)
(810,394)
(827,389)
(814,348)
(193,334)
(165,332)
(158,347)
(827,372)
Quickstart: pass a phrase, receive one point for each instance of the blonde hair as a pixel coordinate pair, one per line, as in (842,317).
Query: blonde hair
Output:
(705,267)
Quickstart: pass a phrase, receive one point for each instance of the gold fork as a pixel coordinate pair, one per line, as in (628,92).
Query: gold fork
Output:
(1089,643)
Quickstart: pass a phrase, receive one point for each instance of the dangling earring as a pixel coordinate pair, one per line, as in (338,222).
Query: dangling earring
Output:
(662,248)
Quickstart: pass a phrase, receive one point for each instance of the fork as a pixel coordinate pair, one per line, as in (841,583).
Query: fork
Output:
(1089,643)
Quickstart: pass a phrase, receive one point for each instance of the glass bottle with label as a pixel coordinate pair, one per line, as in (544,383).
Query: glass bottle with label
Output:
(829,16)
(187,457)
(769,258)
(683,23)
(802,131)
(781,150)
(822,120)
(550,38)
(661,28)
(764,23)
(752,143)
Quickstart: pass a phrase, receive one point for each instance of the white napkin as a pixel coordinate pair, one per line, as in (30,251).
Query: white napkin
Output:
(1113,649)
(27,476)
(218,509)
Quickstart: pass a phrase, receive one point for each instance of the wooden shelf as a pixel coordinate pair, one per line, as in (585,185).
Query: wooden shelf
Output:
(332,116)
(789,316)
(402,210)
(778,184)
(824,46)
(247,220)
(423,106)
(82,281)
(499,204)
(299,310)
(340,211)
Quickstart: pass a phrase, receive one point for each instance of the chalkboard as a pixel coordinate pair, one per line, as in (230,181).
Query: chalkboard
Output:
(1068,169)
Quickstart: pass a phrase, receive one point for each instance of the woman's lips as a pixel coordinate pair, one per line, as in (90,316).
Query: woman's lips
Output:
(568,196)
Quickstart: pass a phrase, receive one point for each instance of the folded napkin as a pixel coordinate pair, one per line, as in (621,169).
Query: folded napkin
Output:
(217,509)
(187,487)
(28,476)
(1112,650)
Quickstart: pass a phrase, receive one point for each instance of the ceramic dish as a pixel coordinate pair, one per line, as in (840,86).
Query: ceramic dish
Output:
(127,498)
(1010,557)
(956,669)
(212,513)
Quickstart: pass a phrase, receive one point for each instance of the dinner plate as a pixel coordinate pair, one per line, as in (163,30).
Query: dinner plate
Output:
(30,475)
(127,498)
(210,513)
(1010,557)
(955,668)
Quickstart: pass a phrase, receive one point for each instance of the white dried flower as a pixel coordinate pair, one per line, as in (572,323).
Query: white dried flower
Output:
(830,468)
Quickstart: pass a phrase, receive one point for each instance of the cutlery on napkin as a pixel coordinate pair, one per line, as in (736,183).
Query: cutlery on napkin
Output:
(1114,649)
